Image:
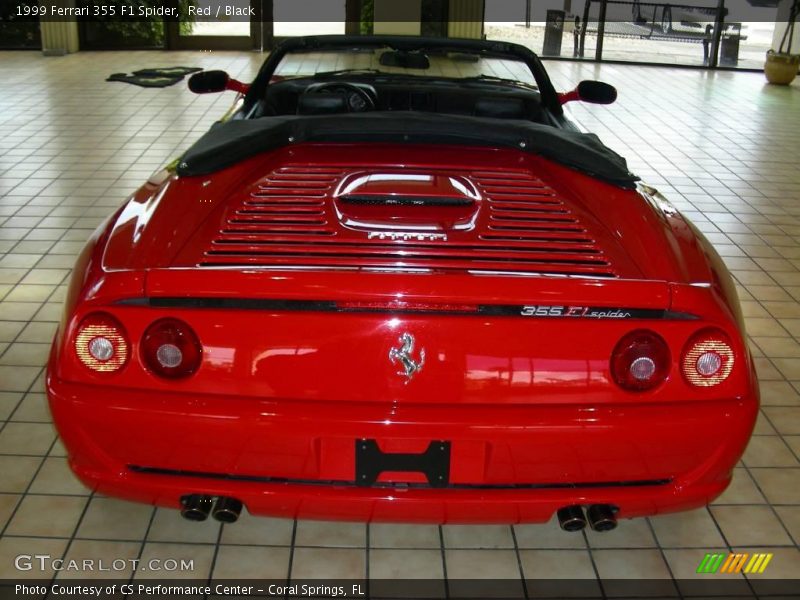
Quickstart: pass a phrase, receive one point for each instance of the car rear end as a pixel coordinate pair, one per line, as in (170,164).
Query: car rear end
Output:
(481,347)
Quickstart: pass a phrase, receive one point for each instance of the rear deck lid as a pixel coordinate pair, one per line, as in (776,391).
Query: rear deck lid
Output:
(417,217)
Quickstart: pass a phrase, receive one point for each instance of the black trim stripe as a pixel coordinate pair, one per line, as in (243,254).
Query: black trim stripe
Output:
(232,303)
(345,483)
(389,199)
(494,310)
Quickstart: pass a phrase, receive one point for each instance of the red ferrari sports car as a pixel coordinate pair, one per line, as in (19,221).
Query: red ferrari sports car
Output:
(396,283)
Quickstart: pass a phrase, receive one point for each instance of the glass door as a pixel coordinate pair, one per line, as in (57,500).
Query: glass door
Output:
(289,18)
(212,25)
(18,33)
(434,18)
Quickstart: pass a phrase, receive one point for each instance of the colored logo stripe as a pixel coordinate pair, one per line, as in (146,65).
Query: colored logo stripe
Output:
(734,563)
(710,563)
(758,563)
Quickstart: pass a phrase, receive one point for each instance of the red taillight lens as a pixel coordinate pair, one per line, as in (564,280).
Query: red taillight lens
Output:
(101,343)
(170,348)
(707,358)
(640,361)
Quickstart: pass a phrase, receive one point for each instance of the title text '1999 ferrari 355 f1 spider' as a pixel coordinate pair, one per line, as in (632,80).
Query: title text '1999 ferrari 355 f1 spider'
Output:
(396,283)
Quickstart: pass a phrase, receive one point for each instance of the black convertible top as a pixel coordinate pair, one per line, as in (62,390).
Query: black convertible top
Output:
(227,143)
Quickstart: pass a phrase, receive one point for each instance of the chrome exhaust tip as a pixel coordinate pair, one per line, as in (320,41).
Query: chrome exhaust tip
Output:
(571,518)
(196,507)
(602,517)
(227,510)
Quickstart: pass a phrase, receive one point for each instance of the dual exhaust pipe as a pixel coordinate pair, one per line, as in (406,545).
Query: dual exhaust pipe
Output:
(600,517)
(197,507)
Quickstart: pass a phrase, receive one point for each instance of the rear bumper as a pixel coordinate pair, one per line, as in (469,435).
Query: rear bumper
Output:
(350,503)
(296,459)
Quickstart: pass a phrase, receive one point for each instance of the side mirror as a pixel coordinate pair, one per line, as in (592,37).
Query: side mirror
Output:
(594,92)
(209,82)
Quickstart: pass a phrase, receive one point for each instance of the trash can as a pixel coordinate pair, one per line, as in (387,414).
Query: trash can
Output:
(729,45)
(553,32)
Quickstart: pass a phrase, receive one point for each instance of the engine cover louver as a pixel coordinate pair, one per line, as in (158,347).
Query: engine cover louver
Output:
(519,225)
(287,202)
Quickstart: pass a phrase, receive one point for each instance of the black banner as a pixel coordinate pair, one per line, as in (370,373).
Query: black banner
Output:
(709,586)
(688,12)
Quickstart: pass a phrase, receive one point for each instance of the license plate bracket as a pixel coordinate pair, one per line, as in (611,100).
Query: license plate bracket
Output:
(371,461)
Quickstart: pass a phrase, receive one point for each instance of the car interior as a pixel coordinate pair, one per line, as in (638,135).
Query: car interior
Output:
(310,96)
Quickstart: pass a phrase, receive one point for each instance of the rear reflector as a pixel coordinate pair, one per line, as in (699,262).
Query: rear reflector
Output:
(101,343)
(170,349)
(640,361)
(707,359)
(643,368)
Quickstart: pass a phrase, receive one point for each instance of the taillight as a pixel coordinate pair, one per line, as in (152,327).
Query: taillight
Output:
(640,361)
(707,358)
(101,343)
(170,348)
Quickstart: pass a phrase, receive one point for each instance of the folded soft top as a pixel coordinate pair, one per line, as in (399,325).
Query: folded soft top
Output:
(227,143)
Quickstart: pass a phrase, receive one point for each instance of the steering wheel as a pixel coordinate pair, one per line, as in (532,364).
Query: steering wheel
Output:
(358,99)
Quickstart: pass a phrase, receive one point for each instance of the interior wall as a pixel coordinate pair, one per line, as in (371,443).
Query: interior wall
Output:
(466,19)
(397,18)
(59,37)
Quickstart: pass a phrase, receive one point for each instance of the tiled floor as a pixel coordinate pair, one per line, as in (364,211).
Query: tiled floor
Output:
(724,147)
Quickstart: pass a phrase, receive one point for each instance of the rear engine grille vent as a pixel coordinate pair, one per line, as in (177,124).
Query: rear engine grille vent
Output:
(527,216)
(288,202)
(523,227)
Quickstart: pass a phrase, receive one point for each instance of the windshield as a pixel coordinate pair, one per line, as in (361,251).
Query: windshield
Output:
(441,65)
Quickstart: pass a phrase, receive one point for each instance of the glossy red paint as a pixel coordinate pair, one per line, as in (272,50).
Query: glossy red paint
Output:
(571,96)
(289,379)
(237,86)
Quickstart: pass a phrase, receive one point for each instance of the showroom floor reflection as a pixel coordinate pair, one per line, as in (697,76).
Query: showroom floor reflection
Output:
(722,146)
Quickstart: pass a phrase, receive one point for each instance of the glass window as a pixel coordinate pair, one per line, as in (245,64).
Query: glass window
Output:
(19,34)
(382,60)
(287,22)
